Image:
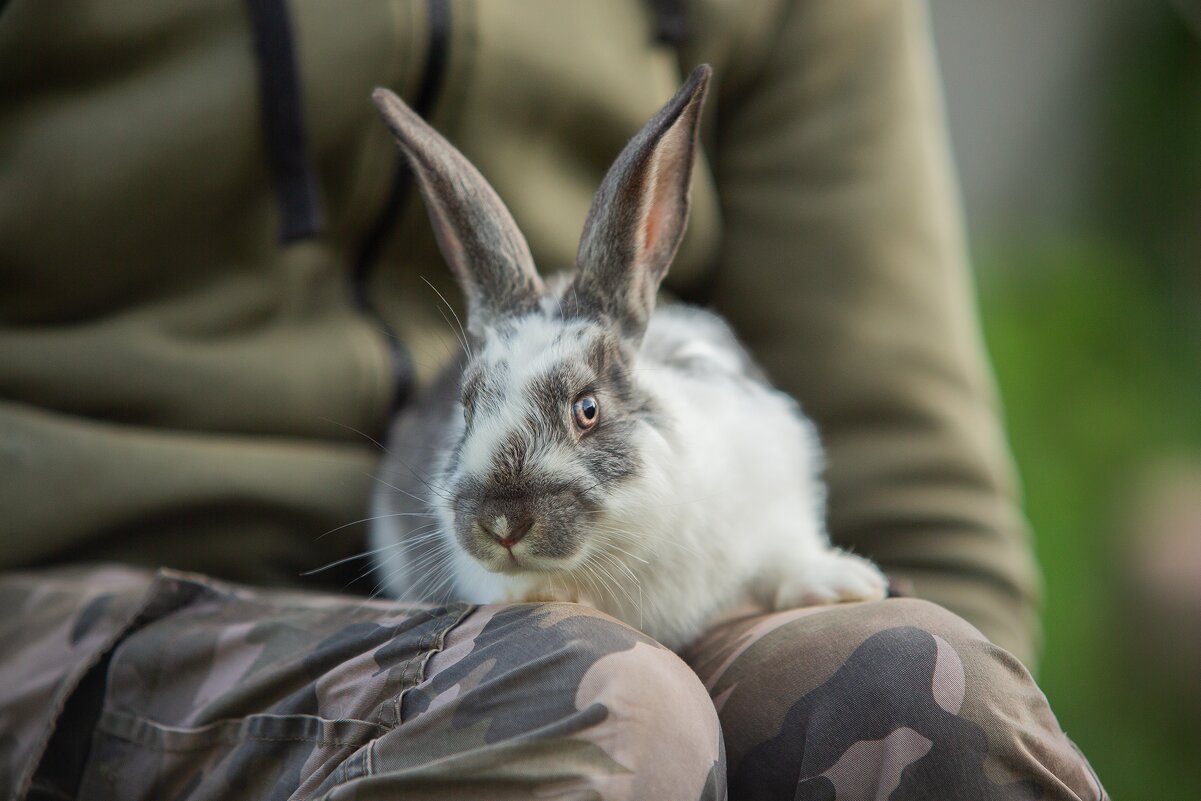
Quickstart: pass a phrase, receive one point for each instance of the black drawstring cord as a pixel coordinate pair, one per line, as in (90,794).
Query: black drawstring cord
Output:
(284,132)
(402,179)
(398,195)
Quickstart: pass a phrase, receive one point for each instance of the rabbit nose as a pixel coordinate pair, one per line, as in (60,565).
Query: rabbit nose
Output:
(508,530)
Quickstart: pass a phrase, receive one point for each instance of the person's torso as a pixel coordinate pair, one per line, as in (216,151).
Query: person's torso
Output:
(155,328)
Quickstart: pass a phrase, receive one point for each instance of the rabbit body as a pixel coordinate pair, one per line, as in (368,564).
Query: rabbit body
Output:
(722,503)
(587,447)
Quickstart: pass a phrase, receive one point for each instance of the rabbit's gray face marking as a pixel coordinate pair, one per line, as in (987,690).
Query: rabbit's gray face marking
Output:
(526,482)
(483,390)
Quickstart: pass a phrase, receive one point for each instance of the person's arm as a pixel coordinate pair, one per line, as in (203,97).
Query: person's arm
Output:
(843,266)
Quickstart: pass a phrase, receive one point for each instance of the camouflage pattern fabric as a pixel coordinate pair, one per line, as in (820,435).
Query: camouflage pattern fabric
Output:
(894,700)
(122,684)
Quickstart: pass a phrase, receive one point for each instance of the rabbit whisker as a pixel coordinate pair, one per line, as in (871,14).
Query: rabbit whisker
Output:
(424,478)
(354,430)
(368,520)
(406,492)
(427,560)
(462,339)
(346,559)
(408,545)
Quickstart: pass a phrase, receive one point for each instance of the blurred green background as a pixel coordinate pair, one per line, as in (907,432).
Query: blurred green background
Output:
(1077,129)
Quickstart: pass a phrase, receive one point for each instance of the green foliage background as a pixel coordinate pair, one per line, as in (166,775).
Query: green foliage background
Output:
(1096,340)
(1097,387)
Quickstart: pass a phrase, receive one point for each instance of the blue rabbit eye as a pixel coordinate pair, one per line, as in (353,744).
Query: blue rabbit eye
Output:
(585,411)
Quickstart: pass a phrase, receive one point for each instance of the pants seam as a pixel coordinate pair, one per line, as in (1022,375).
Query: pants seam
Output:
(432,643)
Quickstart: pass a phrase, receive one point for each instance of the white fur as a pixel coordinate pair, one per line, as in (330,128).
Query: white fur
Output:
(727,506)
(731,503)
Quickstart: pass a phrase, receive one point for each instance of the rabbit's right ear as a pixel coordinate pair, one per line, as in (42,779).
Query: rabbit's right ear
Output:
(479,239)
(639,213)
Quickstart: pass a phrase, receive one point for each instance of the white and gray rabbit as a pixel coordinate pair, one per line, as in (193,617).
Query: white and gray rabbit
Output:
(589,447)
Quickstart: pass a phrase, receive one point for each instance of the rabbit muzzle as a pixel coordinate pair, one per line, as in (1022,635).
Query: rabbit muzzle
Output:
(514,533)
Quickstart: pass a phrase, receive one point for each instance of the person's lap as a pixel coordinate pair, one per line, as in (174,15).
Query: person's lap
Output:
(218,692)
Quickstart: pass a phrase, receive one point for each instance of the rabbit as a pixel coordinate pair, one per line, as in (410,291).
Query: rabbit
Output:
(588,447)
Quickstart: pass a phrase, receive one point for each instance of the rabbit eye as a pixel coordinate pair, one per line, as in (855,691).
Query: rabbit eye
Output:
(585,411)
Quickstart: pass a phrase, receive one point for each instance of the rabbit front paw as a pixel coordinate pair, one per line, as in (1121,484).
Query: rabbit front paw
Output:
(832,577)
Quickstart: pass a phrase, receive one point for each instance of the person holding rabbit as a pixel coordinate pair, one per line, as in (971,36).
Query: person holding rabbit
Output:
(229,322)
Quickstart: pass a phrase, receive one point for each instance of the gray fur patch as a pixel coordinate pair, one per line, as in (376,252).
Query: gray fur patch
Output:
(483,390)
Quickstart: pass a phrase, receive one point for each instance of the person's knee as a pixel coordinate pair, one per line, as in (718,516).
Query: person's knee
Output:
(900,698)
(559,689)
(924,615)
(659,723)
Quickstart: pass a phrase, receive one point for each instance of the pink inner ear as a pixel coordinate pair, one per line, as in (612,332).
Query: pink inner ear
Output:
(662,204)
(652,225)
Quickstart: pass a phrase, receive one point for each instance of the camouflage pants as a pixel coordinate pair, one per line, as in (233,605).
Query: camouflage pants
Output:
(120,684)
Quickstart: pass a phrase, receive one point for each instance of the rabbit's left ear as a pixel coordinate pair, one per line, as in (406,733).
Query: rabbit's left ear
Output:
(479,239)
(638,216)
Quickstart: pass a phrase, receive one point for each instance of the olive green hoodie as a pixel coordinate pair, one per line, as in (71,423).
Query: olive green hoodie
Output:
(216,279)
